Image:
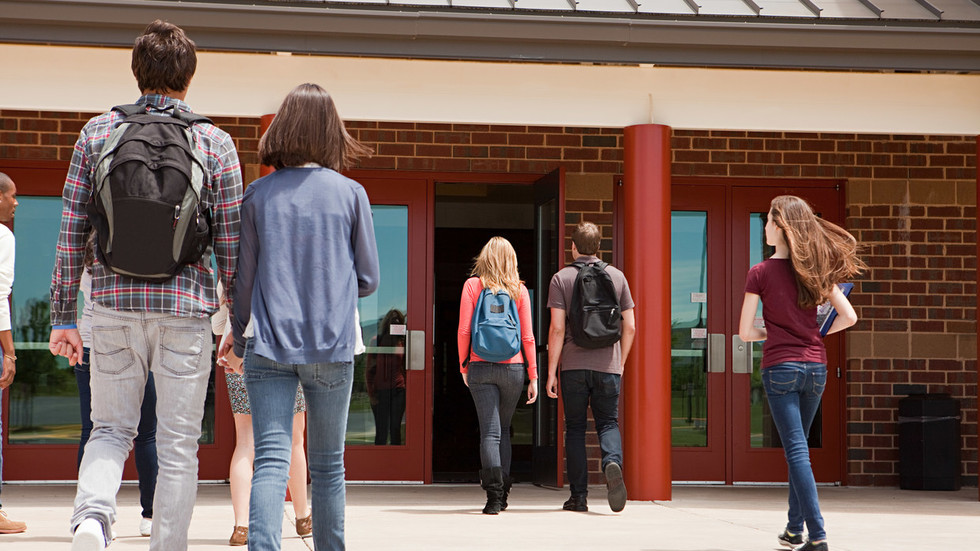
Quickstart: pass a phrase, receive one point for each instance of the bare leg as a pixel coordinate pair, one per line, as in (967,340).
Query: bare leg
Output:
(240,476)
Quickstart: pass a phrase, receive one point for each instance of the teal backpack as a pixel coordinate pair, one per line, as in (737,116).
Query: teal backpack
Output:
(495,331)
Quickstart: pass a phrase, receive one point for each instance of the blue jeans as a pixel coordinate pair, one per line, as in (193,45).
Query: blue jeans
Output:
(272,394)
(126,347)
(794,390)
(145,444)
(579,389)
(496,389)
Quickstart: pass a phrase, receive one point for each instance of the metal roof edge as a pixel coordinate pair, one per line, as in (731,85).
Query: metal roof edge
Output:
(510,36)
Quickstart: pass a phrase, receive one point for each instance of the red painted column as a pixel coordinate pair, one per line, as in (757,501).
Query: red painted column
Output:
(264,123)
(646,382)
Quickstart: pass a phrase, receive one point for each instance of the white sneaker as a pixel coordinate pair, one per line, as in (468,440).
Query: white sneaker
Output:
(89,536)
(146,525)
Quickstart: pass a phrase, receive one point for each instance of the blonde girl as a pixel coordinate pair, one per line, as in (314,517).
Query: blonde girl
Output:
(496,386)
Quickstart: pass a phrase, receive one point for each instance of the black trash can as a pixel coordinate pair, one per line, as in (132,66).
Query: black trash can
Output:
(929,442)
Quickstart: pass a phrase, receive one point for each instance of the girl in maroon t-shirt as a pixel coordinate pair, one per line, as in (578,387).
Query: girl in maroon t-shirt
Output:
(812,256)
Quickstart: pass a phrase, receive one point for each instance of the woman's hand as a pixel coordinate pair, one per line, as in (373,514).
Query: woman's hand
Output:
(227,357)
(532,391)
(466,381)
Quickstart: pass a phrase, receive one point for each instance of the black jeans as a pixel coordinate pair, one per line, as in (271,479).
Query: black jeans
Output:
(579,389)
(496,388)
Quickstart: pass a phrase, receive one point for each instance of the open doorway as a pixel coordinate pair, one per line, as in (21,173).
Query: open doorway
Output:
(467,215)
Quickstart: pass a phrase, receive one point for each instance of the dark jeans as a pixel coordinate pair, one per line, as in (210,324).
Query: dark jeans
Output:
(388,413)
(496,388)
(145,443)
(794,390)
(581,388)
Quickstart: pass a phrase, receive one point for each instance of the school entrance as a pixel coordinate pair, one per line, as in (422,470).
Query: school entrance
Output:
(721,429)
(411,417)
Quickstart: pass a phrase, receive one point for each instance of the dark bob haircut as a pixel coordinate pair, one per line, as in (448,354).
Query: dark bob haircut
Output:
(164,59)
(308,129)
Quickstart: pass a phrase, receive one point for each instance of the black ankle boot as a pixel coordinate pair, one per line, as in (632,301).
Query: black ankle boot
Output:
(492,481)
(508,482)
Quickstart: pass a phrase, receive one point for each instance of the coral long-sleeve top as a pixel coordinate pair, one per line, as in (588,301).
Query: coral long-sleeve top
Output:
(471,293)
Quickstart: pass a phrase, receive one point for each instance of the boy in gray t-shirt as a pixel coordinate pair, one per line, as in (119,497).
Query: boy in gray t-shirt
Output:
(589,377)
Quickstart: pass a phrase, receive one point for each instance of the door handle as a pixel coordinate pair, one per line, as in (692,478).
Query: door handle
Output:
(741,355)
(416,351)
(716,353)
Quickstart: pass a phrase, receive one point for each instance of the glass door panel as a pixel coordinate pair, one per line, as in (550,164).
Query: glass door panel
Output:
(763,433)
(377,410)
(546,464)
(43,400)
(689,329)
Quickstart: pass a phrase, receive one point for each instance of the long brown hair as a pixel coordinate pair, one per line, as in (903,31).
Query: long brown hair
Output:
(308,129)
(822,253)
(496,266)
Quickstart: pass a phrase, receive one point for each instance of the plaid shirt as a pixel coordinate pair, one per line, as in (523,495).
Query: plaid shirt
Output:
(191,293)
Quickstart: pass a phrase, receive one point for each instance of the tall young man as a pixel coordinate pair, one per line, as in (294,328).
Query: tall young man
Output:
(139,326)
(589,376)
(8,204)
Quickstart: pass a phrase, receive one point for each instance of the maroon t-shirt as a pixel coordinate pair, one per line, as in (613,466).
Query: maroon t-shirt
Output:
(792,334)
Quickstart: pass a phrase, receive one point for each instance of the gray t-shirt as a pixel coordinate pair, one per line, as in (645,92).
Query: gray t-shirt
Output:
(606,360)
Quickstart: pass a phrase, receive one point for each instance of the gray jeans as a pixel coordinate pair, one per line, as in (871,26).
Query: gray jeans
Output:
(126,346)
(496,388)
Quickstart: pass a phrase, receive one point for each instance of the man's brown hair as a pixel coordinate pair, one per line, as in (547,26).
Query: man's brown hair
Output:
(164,59)
(586,238)
(308,129)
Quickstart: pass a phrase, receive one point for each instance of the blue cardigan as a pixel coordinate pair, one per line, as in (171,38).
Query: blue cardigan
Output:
(308,252)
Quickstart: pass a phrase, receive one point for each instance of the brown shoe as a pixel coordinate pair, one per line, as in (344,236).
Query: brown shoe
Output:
(304,526)
(239,536)
(8,526)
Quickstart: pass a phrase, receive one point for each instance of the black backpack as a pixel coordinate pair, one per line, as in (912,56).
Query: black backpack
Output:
(594,318)
(146,196)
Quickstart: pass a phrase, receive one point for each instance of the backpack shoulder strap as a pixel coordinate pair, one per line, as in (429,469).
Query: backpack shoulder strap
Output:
(601,265)
(476,308)
(130,109)
(190,118)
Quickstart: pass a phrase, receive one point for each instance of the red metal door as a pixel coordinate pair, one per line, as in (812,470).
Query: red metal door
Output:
(721,430)
(387,430)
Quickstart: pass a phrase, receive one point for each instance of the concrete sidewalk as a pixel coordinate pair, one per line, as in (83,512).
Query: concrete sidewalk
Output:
(447,517)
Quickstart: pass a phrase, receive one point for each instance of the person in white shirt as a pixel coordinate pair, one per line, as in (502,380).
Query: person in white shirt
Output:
(8,204)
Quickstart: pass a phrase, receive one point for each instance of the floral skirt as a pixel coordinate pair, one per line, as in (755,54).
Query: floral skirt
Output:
(239,396)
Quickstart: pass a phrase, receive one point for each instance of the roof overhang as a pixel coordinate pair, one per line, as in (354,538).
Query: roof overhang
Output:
(432,33)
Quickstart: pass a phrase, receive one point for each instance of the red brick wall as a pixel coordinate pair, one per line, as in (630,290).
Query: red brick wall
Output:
(911,200)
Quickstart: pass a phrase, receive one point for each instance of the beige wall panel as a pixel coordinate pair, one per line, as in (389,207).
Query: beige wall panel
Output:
(91,79)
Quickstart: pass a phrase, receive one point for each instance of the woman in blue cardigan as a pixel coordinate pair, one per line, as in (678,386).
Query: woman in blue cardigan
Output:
(308,252)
